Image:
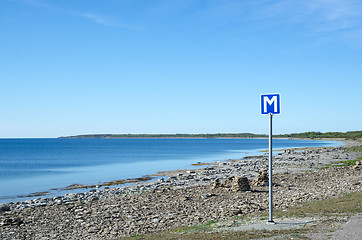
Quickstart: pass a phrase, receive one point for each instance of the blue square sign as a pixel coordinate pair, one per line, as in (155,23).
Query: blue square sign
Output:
(270,103)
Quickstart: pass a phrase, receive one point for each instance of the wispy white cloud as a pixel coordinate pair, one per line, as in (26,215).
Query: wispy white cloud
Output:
(336,15)
(96,18)
(103,20)
(340,19)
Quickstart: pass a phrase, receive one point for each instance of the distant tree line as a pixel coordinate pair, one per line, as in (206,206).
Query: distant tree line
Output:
(177,135)
(310,135)
(313,135)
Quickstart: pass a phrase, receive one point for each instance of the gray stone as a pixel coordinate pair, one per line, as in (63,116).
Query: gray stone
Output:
(240,184)
(262,179)
(216,183)
(4,208)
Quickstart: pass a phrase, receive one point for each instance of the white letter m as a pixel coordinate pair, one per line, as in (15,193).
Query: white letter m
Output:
(270,102)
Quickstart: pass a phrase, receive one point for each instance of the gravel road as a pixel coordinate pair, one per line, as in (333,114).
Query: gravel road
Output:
(352,230)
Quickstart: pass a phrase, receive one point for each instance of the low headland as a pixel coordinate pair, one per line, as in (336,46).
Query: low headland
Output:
(207,203)
(306,135)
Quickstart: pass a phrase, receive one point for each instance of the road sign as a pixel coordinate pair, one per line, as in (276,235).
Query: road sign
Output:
(270,103)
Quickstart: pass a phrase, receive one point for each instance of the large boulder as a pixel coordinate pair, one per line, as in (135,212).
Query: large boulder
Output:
(233,183)
(358,165)
(262,179)
(216,184)
(240,184)
(4,208)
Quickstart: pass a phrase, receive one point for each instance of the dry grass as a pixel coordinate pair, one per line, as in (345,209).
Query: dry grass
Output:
(348,204)
(331,210)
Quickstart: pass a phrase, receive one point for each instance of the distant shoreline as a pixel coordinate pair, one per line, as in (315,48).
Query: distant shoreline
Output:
(350,135)
(209,135)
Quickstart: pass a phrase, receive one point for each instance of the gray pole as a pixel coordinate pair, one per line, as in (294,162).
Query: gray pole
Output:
(270,168)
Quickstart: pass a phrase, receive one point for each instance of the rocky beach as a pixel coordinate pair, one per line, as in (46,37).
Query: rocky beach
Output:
(214,192)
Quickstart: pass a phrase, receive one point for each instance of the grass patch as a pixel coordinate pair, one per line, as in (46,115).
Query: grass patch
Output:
(267,150)
(218,235)
(354,149)
(206,227)
(346,163)
(346,205)
(342,163)
(202,164)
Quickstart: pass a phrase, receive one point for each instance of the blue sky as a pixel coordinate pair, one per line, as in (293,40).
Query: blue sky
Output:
(178,66)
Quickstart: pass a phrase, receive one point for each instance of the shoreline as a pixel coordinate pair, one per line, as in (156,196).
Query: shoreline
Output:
(184,197)
(309,135)
(75,187)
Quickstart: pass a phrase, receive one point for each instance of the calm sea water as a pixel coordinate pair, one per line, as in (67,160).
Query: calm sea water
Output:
(36,165)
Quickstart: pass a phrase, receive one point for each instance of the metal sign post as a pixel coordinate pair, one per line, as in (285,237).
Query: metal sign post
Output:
(270,168)
(270,104)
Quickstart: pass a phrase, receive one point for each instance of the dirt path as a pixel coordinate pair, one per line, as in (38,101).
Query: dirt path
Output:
(352,230)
